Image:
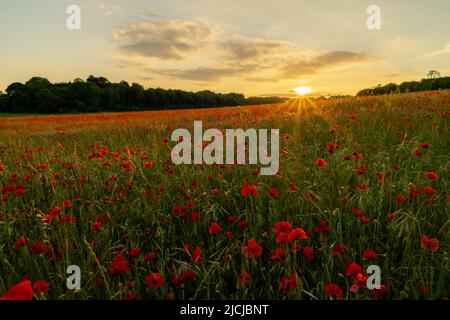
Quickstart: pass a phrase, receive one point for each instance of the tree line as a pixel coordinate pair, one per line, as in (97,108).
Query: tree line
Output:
(98,94)
(408,86)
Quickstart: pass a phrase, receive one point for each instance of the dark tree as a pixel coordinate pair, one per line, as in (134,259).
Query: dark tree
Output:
(98,94)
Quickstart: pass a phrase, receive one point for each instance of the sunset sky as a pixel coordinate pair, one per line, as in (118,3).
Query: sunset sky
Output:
(257,47)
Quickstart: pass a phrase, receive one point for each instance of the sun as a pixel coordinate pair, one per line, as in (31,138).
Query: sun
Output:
(302,90)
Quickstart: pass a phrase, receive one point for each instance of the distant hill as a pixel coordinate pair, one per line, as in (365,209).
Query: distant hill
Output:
(409,86)
(98,94)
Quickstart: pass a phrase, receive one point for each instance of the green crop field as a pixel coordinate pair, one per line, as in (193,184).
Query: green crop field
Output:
(362,181)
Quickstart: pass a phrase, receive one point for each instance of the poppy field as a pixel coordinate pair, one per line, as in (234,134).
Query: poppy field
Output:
(362,181)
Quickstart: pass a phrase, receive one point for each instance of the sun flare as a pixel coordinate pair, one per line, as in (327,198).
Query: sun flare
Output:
(302,90)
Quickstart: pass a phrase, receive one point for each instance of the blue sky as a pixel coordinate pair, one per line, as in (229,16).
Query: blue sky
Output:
(249,46)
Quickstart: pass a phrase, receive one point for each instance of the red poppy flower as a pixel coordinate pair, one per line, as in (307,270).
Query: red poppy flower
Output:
(197,256)
(119,265)
(149,164)
(149,256)
(289,283)
(414,192)
(273,192)
(309,253)
(424,241)
(322,227)
(431,243)
(252,249)
(20,192)
(42,166)
(364,220)
(177,281)
(214,229)
(243,224)
(278,255)
(362,186)
(297,234)
(359,283)
(38,248)
(243,279)
(248,190)
(338,250)
(97,226)
(21,291)
(353,269)
(40,286)
(380,177)
(134,253)
(21,242)
(334,291)
(283,227)
(282,238)
(431,175)
(370,254)
(321,163)
(155,280)
(423,290)
(428,190)
(400,199)
(381,292)
(358,212)
(55,210)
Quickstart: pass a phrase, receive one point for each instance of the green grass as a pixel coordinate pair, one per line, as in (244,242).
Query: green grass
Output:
(137,207)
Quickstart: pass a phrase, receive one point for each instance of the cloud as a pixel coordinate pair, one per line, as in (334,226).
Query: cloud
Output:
(200,73)
(287,69)
(150,14)
(202,53)
(320,61)
(390,75)
(446,50)
(165,40)
(246,48)
(398,42)
(127,64)
(102,6)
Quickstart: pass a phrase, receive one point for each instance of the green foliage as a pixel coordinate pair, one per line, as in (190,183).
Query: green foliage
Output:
(98,94)
(409,86)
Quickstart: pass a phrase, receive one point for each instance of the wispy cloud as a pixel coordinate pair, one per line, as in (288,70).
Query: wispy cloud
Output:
(446,50)
(165,40)
(200,73)
(106,8)
(398,42)
(320,61)
(250,58)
